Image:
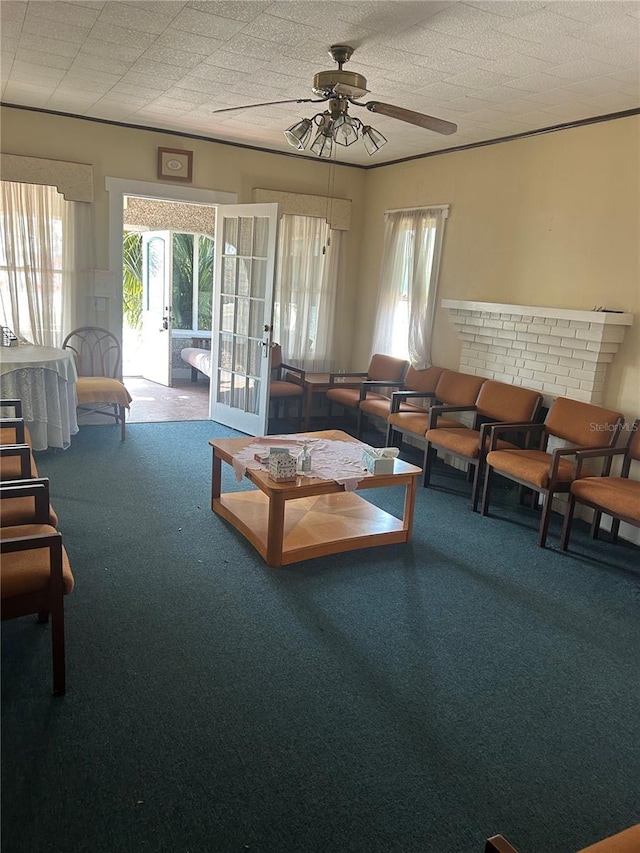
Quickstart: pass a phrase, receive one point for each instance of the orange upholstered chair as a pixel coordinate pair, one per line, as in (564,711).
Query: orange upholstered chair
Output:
(384,373)
(627,841)
(452,390)
(419,385)
(287,382)
(13,429)
(35,574)
(98,358)
(496,402)
(24,501)
(618,497)
(544,470)
(16,458)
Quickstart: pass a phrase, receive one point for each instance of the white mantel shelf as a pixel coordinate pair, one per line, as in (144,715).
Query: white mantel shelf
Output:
(604,317)
(558,351)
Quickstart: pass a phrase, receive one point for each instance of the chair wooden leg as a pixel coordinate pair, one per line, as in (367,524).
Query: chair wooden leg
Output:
(475,489)
(595,524)
(615,526)
(568,521)
(359,422)
(394,437)
(43,617)
(427,465)
(122,421)
(486,491)
(545,519)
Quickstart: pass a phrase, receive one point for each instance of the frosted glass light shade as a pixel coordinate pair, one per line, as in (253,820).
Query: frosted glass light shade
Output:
(373,140)
(299,133)
(345,130)
(322,145)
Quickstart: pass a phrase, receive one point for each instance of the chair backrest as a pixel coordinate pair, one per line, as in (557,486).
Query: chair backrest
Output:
(387,367)
(501,401)
(633,447)
(276,356)
(632,450)
(458,389)
(96,351)
(582,424)
(423,380)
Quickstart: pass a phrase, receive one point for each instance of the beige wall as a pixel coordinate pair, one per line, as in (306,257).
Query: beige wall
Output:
(551,220)
(119,152)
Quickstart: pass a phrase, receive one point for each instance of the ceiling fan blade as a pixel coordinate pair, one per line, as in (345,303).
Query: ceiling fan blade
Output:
(420,119)
(269,104)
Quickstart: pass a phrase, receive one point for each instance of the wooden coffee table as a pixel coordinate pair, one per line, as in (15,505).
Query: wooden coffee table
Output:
(290,522)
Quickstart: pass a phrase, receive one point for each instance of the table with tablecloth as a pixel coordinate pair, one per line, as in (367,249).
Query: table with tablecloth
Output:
(44,379)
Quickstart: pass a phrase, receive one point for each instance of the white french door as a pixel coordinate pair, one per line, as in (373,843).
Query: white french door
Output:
(242,316)
(157,261)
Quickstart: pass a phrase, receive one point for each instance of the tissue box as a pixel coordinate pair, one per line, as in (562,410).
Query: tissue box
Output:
(376,462)
(282,467)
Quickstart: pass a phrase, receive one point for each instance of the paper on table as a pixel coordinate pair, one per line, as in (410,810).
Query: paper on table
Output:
(330,459)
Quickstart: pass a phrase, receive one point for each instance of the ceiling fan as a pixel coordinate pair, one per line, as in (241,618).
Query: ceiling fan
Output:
(341,88)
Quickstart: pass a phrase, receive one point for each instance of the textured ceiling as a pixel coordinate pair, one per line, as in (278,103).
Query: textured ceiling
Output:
(494,67)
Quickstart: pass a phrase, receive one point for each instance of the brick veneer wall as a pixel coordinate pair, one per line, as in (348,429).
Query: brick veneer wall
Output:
(560,352)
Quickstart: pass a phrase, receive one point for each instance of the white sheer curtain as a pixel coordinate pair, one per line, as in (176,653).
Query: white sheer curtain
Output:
(408,283)
(309,258)
(45,261)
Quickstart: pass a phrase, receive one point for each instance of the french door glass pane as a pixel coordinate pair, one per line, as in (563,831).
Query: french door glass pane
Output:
(245,236)
(260,236)
(230,236)
(258,277)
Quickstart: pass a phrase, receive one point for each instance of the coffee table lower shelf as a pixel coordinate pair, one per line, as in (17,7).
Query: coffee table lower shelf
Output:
(313,526)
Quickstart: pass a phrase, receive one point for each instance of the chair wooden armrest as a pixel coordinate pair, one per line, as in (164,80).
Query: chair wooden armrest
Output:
(398,397)
(16,405)
(299,374)
(369,384)
(38,488)
(499,844)
(501,429)
(17,425)
(607,453)
(23,451)
(436,411)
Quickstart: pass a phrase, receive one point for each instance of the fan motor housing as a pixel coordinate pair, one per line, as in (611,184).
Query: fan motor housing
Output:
(351,84)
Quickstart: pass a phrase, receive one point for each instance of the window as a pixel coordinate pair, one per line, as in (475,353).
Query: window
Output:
(36,225)
(305,290)
(408,283)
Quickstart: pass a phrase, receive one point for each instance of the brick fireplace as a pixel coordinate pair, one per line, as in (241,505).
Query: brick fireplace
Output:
(560,352)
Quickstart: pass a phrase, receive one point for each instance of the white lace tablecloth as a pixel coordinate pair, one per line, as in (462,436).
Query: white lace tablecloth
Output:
(44,379)
(330,459)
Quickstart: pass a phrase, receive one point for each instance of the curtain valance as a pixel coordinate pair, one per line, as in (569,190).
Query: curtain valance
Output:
(74,181)
(335,211)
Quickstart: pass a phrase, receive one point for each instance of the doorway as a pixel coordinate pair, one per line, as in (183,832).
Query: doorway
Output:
(140,203)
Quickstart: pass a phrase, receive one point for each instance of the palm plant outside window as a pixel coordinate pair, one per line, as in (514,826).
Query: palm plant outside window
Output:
(192,281)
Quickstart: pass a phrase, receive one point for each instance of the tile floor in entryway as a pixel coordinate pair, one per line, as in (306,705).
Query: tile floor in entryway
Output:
(185,401)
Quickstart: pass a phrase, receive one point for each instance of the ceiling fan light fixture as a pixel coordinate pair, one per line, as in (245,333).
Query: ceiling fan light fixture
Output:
(373,140)
(322,145)
(299,134)
(345,129)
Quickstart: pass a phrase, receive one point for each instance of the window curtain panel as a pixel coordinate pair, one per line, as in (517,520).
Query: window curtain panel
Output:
(45,261)
(408,284)
(309,268)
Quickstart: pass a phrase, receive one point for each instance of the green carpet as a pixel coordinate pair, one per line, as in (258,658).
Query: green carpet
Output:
(414,698)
